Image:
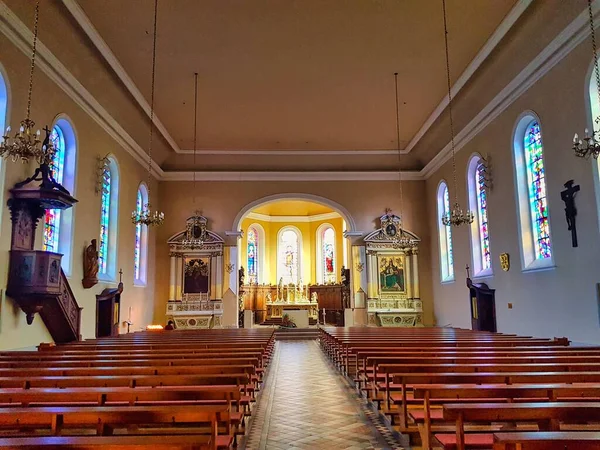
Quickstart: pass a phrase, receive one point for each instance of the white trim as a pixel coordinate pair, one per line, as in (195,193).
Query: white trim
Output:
(573,34)
(287,219)
(89,29)
(237,222)
(293,152)
(507,23)
(20,35)
(291,176)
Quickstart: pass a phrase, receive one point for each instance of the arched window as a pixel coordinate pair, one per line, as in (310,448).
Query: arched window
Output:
(107,250)
(326,262)
(594,113)
(253,255)
(140,256)
(534,220)
(445,234)
(3,112)
(288,255)
(480,237)
(58,225)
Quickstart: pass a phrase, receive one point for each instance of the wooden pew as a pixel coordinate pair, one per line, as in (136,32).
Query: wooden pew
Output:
(548,415)
(551,440)
(170,442)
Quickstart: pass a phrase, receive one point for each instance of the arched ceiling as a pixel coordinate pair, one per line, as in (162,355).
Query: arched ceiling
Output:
(292,208)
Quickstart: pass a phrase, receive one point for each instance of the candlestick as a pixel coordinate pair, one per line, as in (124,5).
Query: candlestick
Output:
(129,317)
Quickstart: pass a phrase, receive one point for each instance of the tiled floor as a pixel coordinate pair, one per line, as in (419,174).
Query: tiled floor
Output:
(306,404)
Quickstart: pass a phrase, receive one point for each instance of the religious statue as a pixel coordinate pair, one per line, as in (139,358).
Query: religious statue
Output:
(242,275)
(90,265)
(280,289)
(313,297)
(568,196)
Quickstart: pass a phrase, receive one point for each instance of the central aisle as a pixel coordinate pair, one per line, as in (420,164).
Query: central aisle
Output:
(307,405)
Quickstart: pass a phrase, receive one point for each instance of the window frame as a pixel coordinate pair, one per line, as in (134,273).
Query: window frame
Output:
(447,272)
(113,222)
(477,257)
(299,262)
(261,260)
(142,279)
(320,266)
(590,100)
(529,262)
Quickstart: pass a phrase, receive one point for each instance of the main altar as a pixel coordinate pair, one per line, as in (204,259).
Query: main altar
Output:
(195,288)
(393,275)
(292,297)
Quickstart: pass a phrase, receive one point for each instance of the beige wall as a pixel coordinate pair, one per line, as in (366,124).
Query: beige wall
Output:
(221,202)
(558,302)
(92,141)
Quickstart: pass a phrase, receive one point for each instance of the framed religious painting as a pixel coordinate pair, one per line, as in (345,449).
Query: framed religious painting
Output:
(391,274)
(196,275)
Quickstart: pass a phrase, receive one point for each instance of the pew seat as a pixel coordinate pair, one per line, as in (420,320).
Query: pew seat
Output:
(552,440)
(177,442)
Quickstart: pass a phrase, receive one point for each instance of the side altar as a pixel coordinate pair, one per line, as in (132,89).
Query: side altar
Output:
(195,288)
(393,275)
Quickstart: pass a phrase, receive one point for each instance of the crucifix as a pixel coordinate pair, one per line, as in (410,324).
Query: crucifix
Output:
(568,196)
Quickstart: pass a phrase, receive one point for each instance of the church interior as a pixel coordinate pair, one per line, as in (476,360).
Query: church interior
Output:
(284,224)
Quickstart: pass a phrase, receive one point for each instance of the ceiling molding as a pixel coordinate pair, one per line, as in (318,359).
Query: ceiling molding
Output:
(507,23)
(293,152)
(21,36)
(291,176)
(573,34)
(86,25)
(300,219)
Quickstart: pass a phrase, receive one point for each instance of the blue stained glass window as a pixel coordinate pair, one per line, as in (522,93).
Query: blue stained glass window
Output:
(482,213)
(448,230)
(57,166)
(536,182)
(252,251)
(328,258)
(137,257)
(104,221)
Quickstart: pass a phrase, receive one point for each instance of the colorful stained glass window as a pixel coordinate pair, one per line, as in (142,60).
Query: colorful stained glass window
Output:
(252,250)
(52,216)
(536,181)
(288,258)
(104,220)
(328,258)
(482,215)
(137,257)
(448,253)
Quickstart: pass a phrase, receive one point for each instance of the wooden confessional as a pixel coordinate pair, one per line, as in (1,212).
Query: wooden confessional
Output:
(483,306)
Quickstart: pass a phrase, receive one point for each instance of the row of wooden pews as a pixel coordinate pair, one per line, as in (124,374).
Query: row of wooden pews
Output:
(160,389)
(455,389)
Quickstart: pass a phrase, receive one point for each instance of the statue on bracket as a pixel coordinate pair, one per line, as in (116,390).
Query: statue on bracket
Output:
(90,265)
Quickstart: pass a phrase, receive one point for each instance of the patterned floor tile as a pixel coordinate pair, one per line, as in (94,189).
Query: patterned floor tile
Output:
(306,404)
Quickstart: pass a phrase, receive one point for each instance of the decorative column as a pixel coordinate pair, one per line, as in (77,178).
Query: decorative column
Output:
(213,277)
(173,277)
(415,265)
(179,262)
(219,277)
(372,282)
(359,276)
(408,280)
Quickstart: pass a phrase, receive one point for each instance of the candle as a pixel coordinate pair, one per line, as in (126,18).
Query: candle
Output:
(129,318)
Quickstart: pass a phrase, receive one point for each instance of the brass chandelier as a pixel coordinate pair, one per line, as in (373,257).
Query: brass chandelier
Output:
(26,143)
(455,217)
(196,235)
(146,216)
(401,239)
(590,144)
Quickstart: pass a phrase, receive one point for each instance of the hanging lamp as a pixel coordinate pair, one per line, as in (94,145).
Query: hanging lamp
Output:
(26,144)
(146,216)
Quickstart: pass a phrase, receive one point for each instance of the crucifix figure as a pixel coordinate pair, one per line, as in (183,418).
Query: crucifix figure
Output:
(568,196)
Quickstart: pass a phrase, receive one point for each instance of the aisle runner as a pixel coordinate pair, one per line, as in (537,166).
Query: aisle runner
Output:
(307,405)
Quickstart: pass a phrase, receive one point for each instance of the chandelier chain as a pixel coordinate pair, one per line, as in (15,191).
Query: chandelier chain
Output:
(33,55)
(595,48)
(398,146)
(154,34)
(195,131)
(450,103)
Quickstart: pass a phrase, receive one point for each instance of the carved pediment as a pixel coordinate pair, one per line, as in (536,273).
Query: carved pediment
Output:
(196,230)
(390,227)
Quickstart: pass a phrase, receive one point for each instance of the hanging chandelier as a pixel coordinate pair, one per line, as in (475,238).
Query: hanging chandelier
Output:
(196,234)
(400,239)
(26,144)
(146,216)
(590,144)
(456,217)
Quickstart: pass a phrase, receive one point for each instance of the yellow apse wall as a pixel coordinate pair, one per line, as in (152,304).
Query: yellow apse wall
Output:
(308,231)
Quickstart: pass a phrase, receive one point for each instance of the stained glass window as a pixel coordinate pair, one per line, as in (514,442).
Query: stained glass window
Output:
(104,220)
(137,257)
(482,215)
(52,216)
(288,258)
(445,234)
(536,182)
(252,249)
(327,257)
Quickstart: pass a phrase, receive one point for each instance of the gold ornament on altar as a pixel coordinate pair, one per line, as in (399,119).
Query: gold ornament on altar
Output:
(229,267)
(360,266)
(505,261)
